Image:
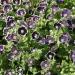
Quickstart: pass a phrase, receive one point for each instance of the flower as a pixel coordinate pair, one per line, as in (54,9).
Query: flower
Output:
(35,17)
(31,24)
(46,40)
(49,40)
(21,12)
(5,31)
(41,9)
(57,25)
(4,1)
(7,8)
(13,53)
(1,48)
(17,1)
(66,13)
(50,55)
(35,35)
(42,41)
(8,72)
(10,18)
(43,4)
(10,56)
(55,8)
(22,31)
(60,1)
(11,37)
(73,55)
(10,24)
(14,50)
(65,38)
(44,64)
(30,61)
(69,25)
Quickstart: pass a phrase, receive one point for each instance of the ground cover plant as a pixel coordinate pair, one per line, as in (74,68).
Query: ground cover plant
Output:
(37,37)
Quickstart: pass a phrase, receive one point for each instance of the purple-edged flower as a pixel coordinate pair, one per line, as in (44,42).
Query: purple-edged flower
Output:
(57,25)
(42,41)
(65,13)
(35,17)
(5,30)
(1,48)
(7,8)
(65,38)
(31,24)
(41,9)
(11,37)
(8,72)
(44,64)
(43,4)
(35,35)
(73,55)
(4,1)
(17,1)
(21,12)
(22,31)
(60,1)
(10,18)
(30,61)
(10,56)
(55,8)
(13,53)
(49,40)
(50,55)
(14,50)
(69,25)
(10,23)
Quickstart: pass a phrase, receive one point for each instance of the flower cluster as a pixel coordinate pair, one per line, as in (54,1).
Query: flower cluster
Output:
(37,37)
